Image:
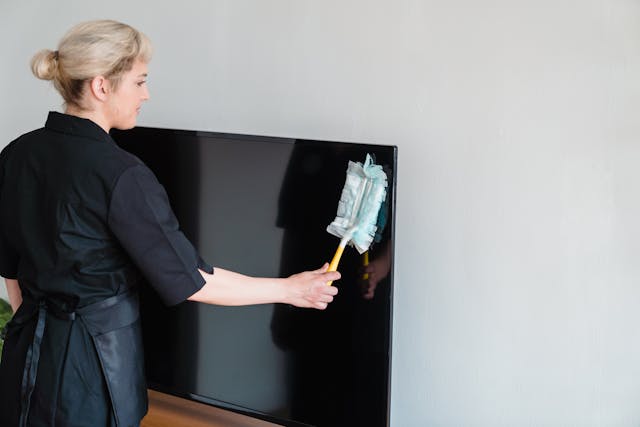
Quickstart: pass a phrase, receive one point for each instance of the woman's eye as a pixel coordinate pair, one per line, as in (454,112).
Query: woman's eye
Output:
(141,83)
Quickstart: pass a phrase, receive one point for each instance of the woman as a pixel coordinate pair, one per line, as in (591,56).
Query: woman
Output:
(81,222)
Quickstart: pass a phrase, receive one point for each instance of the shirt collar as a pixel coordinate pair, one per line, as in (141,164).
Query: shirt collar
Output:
(77,126)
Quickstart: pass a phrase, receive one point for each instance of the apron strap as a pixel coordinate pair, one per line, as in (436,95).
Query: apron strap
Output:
(31,365)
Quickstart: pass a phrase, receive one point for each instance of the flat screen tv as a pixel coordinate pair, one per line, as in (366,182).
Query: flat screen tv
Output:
(260,206)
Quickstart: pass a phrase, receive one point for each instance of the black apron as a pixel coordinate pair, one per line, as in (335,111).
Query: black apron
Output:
(114,327)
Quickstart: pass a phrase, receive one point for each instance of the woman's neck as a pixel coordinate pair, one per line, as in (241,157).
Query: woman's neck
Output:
(92,115)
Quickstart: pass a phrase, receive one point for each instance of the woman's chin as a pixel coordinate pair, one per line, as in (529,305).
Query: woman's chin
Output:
(127,125)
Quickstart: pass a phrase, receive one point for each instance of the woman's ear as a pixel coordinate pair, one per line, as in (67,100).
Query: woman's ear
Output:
(100,87)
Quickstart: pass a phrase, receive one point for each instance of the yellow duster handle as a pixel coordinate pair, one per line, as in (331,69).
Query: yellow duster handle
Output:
(335,261)
(365,262)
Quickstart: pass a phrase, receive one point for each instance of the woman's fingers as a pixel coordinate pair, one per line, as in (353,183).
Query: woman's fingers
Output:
(321,289)
(322,269)
(330,276)
(321,305)
(321,294)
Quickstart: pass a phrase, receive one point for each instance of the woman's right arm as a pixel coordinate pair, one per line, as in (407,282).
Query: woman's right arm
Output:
(14,292)
(141,218)
(308,289)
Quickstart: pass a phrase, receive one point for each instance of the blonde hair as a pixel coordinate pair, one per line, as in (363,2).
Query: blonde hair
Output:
(95,48)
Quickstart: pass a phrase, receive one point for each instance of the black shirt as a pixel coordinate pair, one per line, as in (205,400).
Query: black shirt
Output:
(81,220)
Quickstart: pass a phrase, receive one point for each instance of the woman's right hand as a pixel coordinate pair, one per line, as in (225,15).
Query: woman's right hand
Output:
(309,289)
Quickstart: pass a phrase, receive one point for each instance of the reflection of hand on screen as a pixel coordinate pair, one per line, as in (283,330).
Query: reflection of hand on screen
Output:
(377,269)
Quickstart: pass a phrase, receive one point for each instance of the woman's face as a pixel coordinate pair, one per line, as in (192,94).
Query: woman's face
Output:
(124,103)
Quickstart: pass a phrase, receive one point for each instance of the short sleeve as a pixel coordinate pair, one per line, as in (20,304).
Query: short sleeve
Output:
(142,220)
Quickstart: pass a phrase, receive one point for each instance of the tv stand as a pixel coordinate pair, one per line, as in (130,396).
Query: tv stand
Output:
(170,411)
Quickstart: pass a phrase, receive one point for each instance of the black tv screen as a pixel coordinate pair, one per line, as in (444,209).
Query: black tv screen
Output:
(260,206)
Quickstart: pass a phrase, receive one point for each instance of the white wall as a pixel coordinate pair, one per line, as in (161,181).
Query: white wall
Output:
(516,300)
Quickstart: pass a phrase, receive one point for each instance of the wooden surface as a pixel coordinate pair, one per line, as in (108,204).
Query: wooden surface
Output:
(170,411)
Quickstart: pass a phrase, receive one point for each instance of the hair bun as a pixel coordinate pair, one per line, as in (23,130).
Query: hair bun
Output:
(44,64)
